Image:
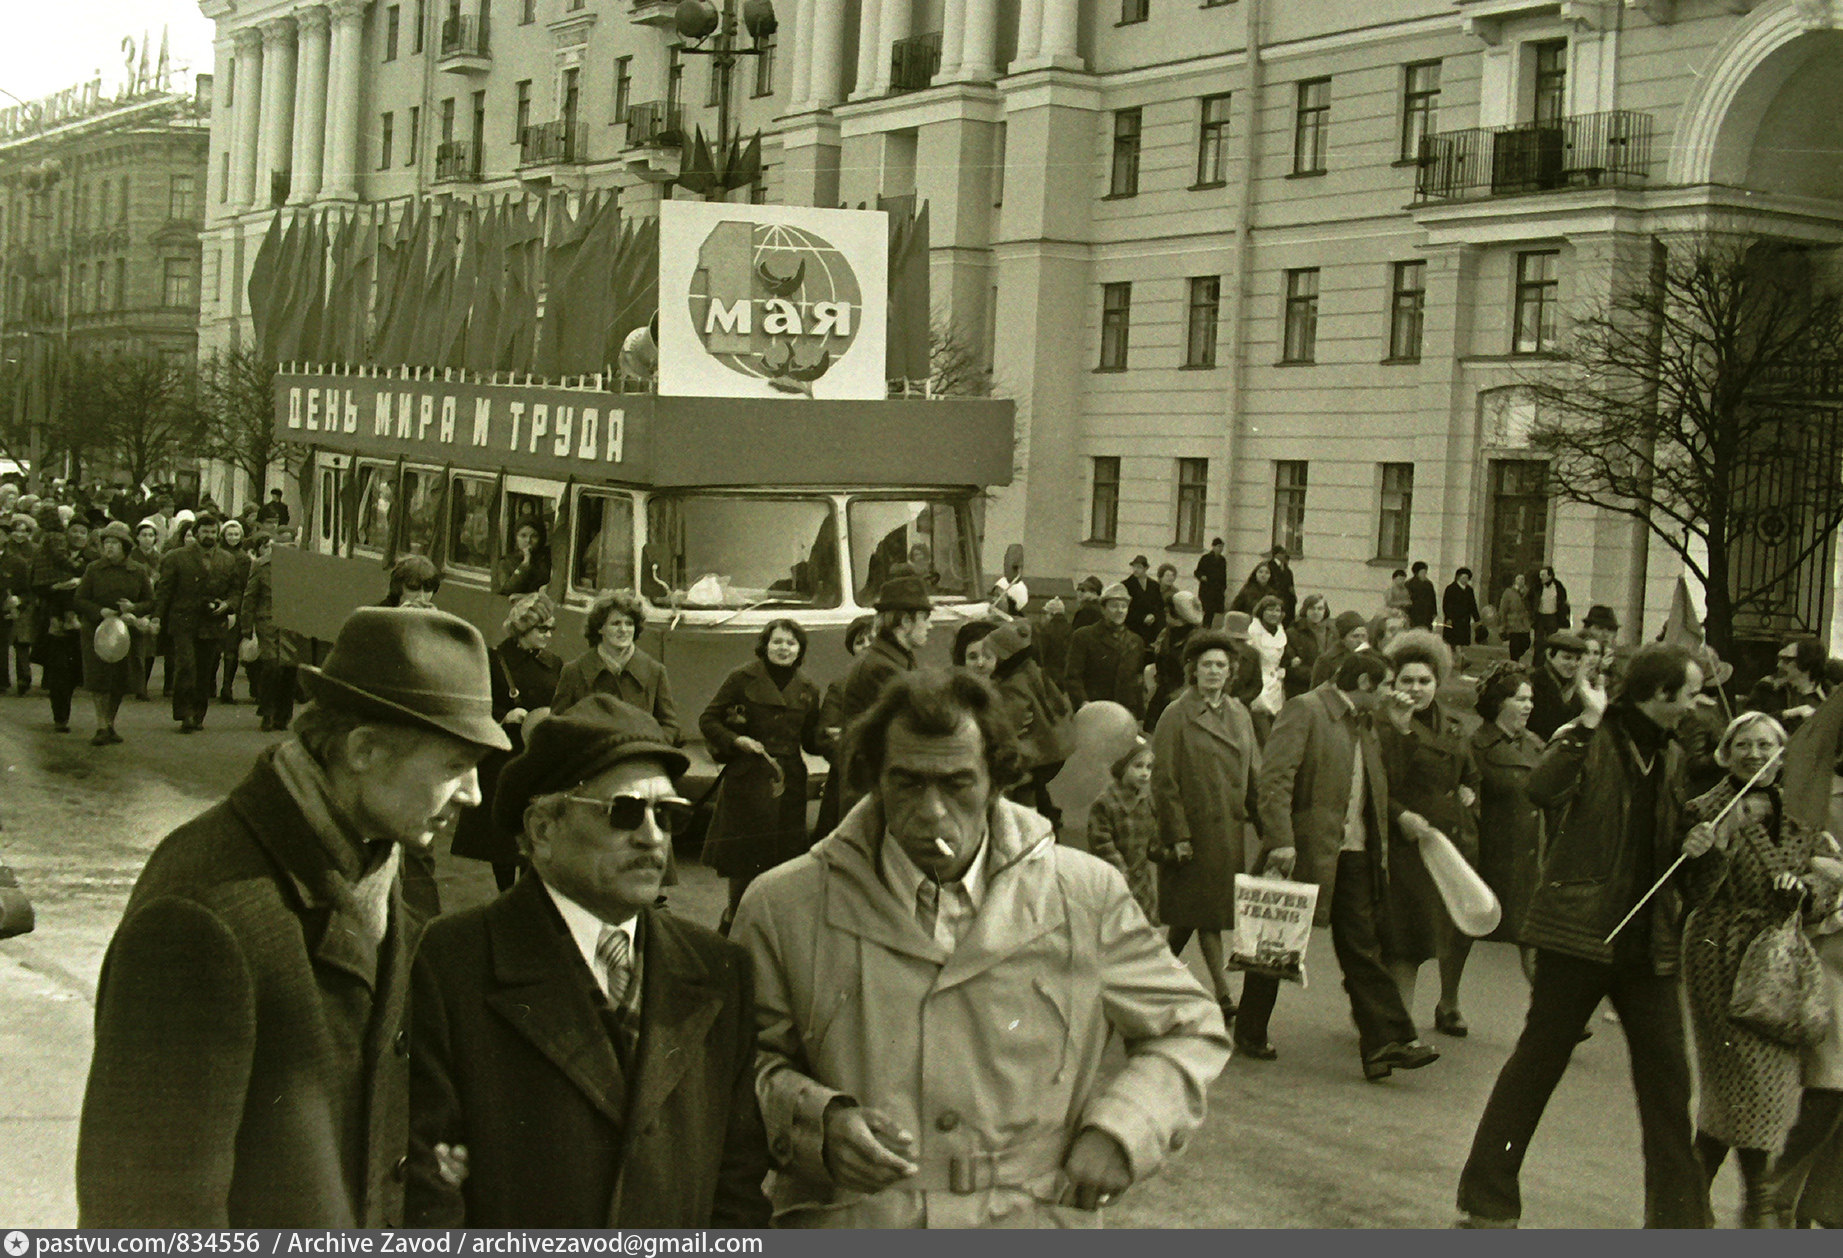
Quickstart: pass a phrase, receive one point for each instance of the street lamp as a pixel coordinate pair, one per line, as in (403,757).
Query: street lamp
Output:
(699,20)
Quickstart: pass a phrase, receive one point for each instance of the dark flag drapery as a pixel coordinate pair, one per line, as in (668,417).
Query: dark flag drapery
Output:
(906,353)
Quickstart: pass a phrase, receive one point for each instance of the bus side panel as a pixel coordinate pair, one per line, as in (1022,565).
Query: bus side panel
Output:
(315,593)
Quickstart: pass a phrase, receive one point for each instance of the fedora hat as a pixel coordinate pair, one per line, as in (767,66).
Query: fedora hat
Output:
(1236,625)
(411,666)
(567,750)
(904,593)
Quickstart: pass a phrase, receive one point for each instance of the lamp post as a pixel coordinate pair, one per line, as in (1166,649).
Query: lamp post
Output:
(699,20)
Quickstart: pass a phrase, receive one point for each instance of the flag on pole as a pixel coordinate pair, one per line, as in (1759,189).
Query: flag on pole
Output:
(1682,627)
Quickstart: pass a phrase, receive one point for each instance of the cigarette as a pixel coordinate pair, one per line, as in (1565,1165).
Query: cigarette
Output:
(944,848)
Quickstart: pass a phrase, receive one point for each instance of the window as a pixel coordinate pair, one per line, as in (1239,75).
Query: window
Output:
(527,12)
(1134,11)
(223,178)
(623,86)
(708,550)
(758,191)
(675,79)
(393,18)
(1407,308)
(180,289)
(422,20)
(121,210)
(1192,494)
(102,297)
(1213,141)
(83,289)
(1420,106)
(181,199)
(720,68)
(447,123)
(764,70)
(1537,304)
(1116,313)
(576,5)
(1200,328)
(934,536)
(422,493)
(535,514)
(1289,505)
(1104,500)
(1309,126)
(386,125)
(1125,179)
(377,493)
(522,113)
(414,137)
(121,283)
(103,188)
(470,522)
(1301,334)
(604,548)
(1397,508)
(1551,81)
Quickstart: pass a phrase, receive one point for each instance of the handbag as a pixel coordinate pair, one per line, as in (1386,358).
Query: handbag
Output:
(15,909)
(1779,990)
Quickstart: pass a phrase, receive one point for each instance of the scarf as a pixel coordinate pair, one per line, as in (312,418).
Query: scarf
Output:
(364,870)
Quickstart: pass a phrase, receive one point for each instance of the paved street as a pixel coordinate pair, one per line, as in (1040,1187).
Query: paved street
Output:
(1301,1142)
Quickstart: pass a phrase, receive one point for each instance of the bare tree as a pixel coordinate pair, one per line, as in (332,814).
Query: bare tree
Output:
(130,409)
(1686,401)
(956,367)
(236,389)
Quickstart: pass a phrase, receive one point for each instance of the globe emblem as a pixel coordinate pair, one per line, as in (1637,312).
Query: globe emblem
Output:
(774,302)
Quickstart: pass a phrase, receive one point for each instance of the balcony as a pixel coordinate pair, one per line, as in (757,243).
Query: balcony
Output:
(1608,150)
(657,13)
(655,124)
(457,161)
(280,182)
(557,143)
(914,62)
(464,48)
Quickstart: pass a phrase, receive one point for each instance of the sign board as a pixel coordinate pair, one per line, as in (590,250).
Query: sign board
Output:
(772,301)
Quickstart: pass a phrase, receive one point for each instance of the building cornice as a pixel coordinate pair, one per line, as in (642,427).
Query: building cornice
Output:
(951,102)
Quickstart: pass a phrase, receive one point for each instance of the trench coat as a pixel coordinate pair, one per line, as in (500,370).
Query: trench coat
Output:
(1510,827)
(252,1062)
(511,1056)
(991,1054)
(642,683)
(1205,766)
(751,828)
(274,644)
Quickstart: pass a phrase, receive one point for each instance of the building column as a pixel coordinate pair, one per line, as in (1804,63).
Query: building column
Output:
(339,177)
(870,23)
(277,103)
(953,35)
(979,47)
(309,104)
(824,88)
(896,25)
(1055,43)
(1029,31)
(800,92)
(248,88)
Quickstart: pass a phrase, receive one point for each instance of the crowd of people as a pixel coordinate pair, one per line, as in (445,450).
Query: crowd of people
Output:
(900,1018)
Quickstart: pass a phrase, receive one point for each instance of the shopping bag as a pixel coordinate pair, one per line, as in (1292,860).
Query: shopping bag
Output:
(1273,925)
(1779,989)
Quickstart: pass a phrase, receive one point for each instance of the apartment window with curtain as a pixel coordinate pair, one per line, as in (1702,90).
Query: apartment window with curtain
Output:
(1213,141)
(1124,180)
(623,87)
(1537,301)
(1420,106)
(1132,11)
(1203,312)
(1550,82)
(1299,342)
(1116,318)
(387,125)
(1311,119)
(393,19)
(1192,496)
(182,199)
(1289,505)
(1407,311)
(764,71)
(1396,511)
(675,79)
(1104,499)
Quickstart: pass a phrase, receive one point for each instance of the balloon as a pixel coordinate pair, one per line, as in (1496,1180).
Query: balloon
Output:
(1469,901)
(1104,731)
(111,644)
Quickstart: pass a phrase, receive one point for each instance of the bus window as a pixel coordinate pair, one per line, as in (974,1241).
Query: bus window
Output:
(330,529)
(422,491)
(604,542)
(524,558)
(376,493)
(470,522)
(716,551)
(933,536)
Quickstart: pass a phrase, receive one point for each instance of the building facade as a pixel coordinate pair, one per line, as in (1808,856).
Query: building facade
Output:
(1266,271)
(101,203)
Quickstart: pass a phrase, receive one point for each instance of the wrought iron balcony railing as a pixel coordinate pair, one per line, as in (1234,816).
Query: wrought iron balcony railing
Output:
(655,124)
(457,161)
(464,35)
(551,144)
(1606,150)
(914,62)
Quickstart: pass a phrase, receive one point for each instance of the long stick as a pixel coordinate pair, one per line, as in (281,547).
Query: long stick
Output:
(1678,862)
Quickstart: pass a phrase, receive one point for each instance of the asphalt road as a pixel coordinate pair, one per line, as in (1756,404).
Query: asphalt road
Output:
(1298,1142)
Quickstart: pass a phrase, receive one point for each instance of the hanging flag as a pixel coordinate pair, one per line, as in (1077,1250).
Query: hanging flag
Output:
(495,534)
(409,292)
(567,237)
(560,549)
(342,245)
(585,299)
(517,348)
(261,295)
(906,352)
(438,544)
(457,319)
(635,281)
(1682,627)
(397,526)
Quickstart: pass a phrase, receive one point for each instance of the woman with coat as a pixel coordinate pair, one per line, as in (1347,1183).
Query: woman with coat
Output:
(57,571)
(1745,874)
(1433,781)
(1204,765)
(615,665)
(1459,609)
(112,588)
(1267,635)
(16,590)
(1513,619)
(1040,713)
(757,725)
(1308,637)
(146,553)
(1510,826)
(233,541)
(1259,585)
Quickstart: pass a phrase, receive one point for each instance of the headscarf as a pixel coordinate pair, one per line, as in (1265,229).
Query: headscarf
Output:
(528,613)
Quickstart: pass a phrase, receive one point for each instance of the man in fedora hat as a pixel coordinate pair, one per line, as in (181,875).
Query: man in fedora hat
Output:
(1106,660)
(900,631)
(588,1059)
(1146,613)
(251,1066)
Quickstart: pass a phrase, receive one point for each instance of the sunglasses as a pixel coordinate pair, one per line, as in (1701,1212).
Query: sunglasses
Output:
(627,812)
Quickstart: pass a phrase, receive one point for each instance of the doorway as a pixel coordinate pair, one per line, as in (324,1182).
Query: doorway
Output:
(1519,520)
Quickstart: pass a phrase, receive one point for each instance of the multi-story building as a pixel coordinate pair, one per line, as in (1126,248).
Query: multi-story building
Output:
(101,201)
(1254,269)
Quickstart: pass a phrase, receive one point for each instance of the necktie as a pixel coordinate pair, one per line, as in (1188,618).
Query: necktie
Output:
(928,905)
(615,953)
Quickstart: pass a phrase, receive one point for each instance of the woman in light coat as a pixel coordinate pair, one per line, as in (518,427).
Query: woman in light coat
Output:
(1267,635)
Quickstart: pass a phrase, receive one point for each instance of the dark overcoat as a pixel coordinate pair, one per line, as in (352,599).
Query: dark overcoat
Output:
(251,1066)
(521,679)
(1510,826)
(752,829)
(513,1058)
(642,683)
(1204,768)
(105,584)
(1105,663)
(193,580)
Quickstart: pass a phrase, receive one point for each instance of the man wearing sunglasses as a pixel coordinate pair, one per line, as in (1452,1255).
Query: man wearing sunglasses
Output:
(579,1059)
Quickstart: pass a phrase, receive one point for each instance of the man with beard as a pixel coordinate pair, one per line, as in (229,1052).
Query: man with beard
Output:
(588,1060)
(252,1063)
(196,599)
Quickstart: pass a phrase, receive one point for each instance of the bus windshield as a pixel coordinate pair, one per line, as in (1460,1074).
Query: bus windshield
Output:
(933,535)
(732,551)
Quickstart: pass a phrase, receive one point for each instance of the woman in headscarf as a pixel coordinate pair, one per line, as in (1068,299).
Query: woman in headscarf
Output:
(112,589)
(757,725)
(233,541)
(525,672)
